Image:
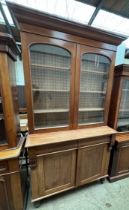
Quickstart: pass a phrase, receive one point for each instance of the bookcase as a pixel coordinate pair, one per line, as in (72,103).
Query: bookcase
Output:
(9,123)
(68,71)
(119,119)
(11,142)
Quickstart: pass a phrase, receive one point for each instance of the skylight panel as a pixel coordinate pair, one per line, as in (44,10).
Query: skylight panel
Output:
(68,9)
(1,19)
(111,22)
(7,14)
(80,12)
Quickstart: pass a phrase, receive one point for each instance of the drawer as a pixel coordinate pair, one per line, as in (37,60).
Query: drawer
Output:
(3,167)
(94,141)
(50,148)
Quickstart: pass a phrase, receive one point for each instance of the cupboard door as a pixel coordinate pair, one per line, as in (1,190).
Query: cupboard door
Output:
(4,194)
(50,91)
(123,115)
(123,160)
(92,163)
(54,173)
(94,90)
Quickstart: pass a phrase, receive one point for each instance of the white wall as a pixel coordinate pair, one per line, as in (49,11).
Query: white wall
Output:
(19,72)
(120,54)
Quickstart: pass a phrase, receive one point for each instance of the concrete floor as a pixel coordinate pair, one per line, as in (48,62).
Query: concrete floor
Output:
(96,196)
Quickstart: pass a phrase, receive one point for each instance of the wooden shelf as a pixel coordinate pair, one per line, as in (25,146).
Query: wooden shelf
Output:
(125,90)
(124,110)
(40,111)
(54,90)
(55,68)
(92,91)
(90,109)
(95,72)
(50,90)
(123,122)
(1,116)
(45,53)
(91,123)
(44,127)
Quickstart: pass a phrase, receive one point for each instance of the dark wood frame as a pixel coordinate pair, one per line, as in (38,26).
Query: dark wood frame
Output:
(8,50)
(34,39)
(111,56)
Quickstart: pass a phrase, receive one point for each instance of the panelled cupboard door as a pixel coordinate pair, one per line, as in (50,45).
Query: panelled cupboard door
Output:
(5,194)
(50,65)
(55,172)
(92,163)
(94,73)
(123,160)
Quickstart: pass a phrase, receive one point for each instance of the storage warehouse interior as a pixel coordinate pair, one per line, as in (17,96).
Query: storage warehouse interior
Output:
(64,104)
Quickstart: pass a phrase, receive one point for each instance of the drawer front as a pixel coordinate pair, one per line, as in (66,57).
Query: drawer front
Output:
(93,141)
(52,148)
(3,167)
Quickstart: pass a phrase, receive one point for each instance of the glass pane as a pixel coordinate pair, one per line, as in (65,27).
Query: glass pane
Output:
(93,85)
(123,117)
(2,124)
(50,71)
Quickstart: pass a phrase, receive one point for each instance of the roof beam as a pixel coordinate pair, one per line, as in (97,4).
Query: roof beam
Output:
(98,7)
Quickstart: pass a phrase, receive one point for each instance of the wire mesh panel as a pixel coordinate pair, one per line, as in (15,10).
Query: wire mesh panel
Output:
(123,116)
(93,86)
(2,124)
(50,72)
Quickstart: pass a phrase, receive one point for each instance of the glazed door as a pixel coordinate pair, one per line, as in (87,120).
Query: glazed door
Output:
(123,112)
(94,89)
(5,193)
(50,92)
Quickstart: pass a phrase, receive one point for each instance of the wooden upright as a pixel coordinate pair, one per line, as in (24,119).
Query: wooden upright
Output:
(68,73)
(11,144)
